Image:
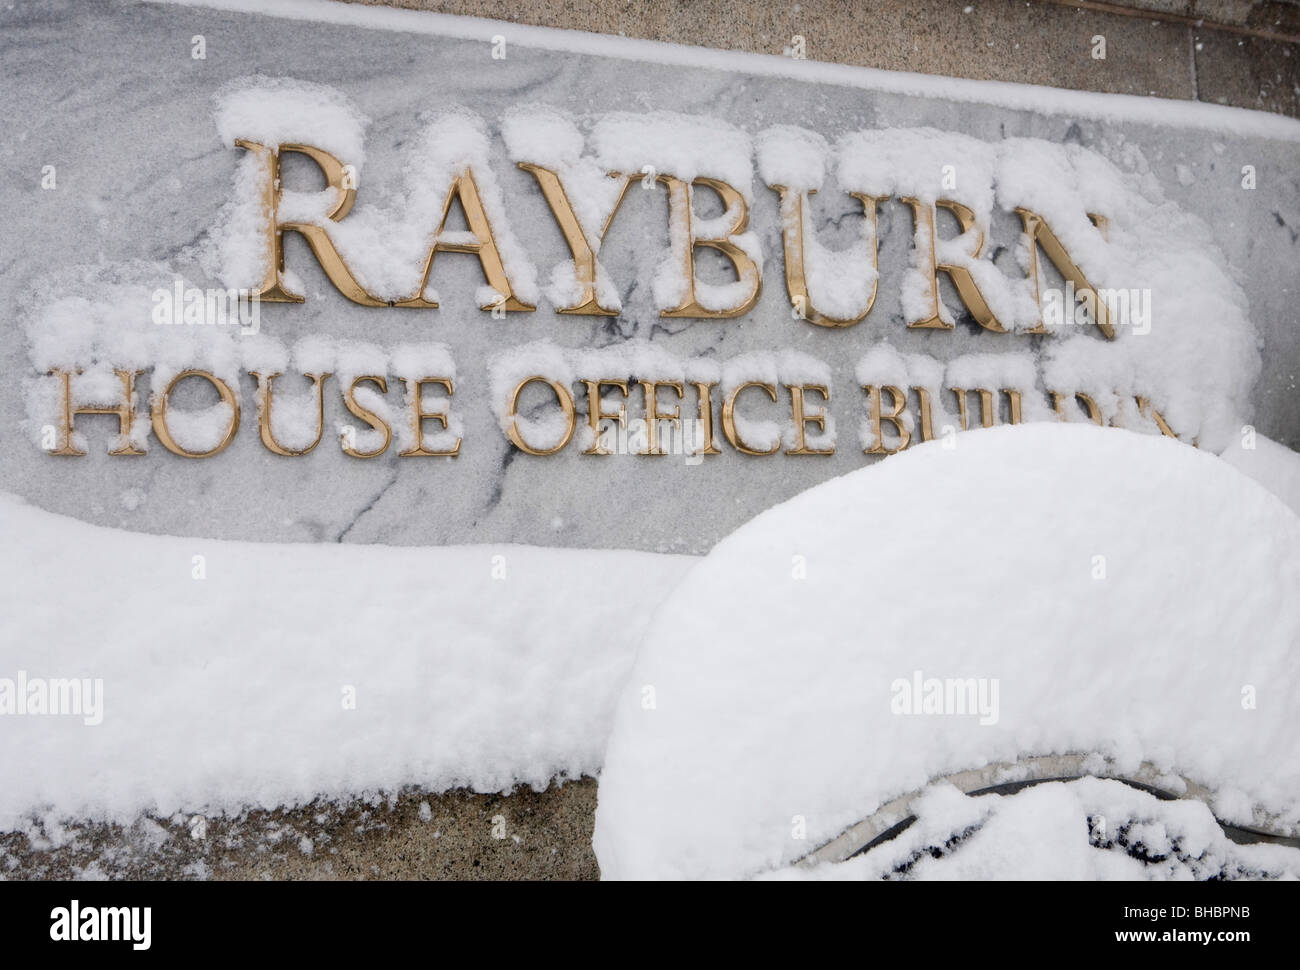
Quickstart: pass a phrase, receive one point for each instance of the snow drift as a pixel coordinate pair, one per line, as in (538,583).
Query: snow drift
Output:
(1132,598)
(291,671)
(1086,829)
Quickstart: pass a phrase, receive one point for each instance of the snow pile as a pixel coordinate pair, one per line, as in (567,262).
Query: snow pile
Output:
(1273,465)
(255,674)
(275,111)
(1088,829)
(1196,358)
(1069,589)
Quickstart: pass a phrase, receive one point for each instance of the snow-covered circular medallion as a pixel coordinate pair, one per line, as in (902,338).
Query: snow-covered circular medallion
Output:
(1029,591)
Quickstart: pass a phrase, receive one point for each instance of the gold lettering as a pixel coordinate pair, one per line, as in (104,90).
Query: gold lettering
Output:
(729,418)
(927,414)
(582,249)
(464,188)
(961,407)
(124,409)
(793,227)
(273,288)
(1058,405)
(802,418)
(923,219)
(875,407)
(595,413)
(367,416)
(512,410)
(1144,406)
(988,406)
(653,415)
(680,209)
(1040,234)
(159,412)
(705,415)
(415,388)
(264,395)
(1013,405)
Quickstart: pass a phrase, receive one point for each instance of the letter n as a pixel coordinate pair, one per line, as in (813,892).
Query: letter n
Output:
(1038,235)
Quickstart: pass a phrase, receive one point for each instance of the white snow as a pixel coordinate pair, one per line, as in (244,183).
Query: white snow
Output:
(272,111)
(1273,465)
(1132,597)
(231,691)
(685,146)
(1197,360)
(1087,829)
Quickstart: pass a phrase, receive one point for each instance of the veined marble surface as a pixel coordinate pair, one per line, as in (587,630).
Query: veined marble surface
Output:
(109,94)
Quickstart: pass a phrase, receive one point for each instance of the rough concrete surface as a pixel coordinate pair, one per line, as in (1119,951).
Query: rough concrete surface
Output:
(413,835)
(1151,45)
